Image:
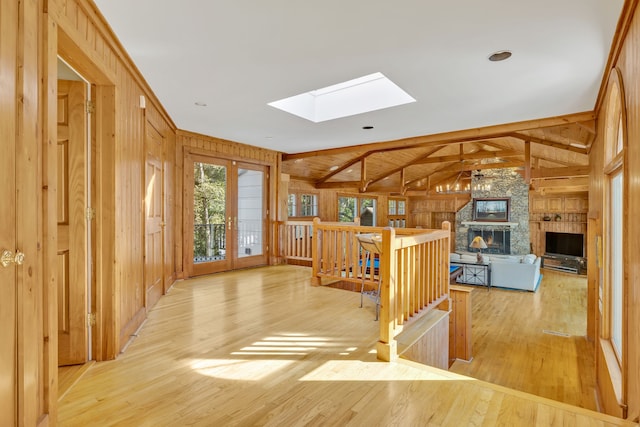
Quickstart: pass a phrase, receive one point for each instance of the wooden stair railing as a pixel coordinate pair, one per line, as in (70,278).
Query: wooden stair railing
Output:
(413,264)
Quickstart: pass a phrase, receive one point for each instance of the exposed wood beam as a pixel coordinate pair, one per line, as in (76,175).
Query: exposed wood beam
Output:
(548,143)
(455,169)
(408,184)
(511,164)
(549,135)
(412,162)
(536,160)
(569,172)
(471,156)
(343,167)
(467,135)
(363,176)
(568,185)
(339,184)
(527,162)
(591,127)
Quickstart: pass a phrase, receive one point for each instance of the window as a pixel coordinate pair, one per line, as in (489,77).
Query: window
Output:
(308,205)
(616,218)
(302,205)
(396,213)
(291,206)
(613,289)
(363,207)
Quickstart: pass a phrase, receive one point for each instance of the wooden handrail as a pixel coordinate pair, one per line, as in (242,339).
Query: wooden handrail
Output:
(413,267)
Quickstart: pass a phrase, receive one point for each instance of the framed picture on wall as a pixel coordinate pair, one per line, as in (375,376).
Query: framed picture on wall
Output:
(491,209)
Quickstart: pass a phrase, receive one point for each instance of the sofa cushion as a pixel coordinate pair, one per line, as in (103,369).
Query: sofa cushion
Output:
(469,258)
(511,260)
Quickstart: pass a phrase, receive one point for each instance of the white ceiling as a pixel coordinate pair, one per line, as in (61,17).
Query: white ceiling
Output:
(238,55)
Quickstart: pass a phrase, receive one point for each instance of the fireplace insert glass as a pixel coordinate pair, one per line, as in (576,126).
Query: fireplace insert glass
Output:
(571,244)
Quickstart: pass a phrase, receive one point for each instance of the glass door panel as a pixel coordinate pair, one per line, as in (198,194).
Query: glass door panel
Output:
(250,202)
(210,216)
(251,216)
(225,215)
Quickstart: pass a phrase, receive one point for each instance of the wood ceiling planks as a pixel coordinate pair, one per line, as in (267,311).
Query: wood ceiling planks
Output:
(424,162)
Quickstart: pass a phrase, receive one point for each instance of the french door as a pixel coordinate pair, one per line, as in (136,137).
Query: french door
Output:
(225,214)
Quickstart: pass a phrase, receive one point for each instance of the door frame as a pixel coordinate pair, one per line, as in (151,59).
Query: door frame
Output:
(104,345)
(231,263)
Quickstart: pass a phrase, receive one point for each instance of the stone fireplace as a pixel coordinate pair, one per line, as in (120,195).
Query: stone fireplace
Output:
(509,237)
(498,241)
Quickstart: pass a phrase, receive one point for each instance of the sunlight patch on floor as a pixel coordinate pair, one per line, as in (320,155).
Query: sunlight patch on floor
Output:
(237,369)
(356,370)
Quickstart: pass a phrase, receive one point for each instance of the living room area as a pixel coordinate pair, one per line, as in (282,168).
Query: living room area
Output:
(505,232)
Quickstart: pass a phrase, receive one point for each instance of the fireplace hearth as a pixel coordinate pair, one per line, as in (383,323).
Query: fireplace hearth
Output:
(498,241)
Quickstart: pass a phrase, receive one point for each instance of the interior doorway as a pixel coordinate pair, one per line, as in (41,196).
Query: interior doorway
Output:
(74,217)
(225,215)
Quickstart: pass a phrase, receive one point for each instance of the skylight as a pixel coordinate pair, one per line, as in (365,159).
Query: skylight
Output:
(368,93)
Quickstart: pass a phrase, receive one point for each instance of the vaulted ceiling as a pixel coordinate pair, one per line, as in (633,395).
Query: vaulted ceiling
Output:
(552,154)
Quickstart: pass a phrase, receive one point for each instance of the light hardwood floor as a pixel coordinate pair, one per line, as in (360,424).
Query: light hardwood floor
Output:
(263,347)
(535,342)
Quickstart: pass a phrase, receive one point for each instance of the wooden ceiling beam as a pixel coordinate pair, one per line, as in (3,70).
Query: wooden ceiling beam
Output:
(527,162)
(590,127)
(568,172)
(343,167)
(502,165)
(478,155)
(339,184)
(401,168)
(541,141)
(582,182)
(467,135)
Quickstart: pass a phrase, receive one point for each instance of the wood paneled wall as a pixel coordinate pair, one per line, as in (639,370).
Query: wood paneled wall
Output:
(628,63)
(572,211)
(430,212)
(87,43)
(28,386)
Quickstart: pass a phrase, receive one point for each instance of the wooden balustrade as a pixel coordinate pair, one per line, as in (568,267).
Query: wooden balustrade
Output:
(297,241)
(413,267)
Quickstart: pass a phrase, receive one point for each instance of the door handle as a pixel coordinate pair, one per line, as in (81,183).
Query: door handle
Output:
(7,258)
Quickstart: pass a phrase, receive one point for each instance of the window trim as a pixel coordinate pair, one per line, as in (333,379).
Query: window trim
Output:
(298,204)
(614,157)
(359,198)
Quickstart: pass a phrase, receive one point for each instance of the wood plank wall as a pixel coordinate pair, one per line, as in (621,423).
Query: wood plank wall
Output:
(571,208)
(88,44)
(628,62)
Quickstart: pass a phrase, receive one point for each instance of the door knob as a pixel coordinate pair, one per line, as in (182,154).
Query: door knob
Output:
(7,258)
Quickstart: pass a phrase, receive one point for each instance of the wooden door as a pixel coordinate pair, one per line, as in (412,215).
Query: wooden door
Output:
(250,215)
(8,274)
(154,179)
(225,215)
(208,215)
(72,223)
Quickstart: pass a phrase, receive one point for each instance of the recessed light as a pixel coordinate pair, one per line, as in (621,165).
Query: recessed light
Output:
(298,160)
(349,170)
(367,127)
(500,55)
(201,104)
(333,168)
